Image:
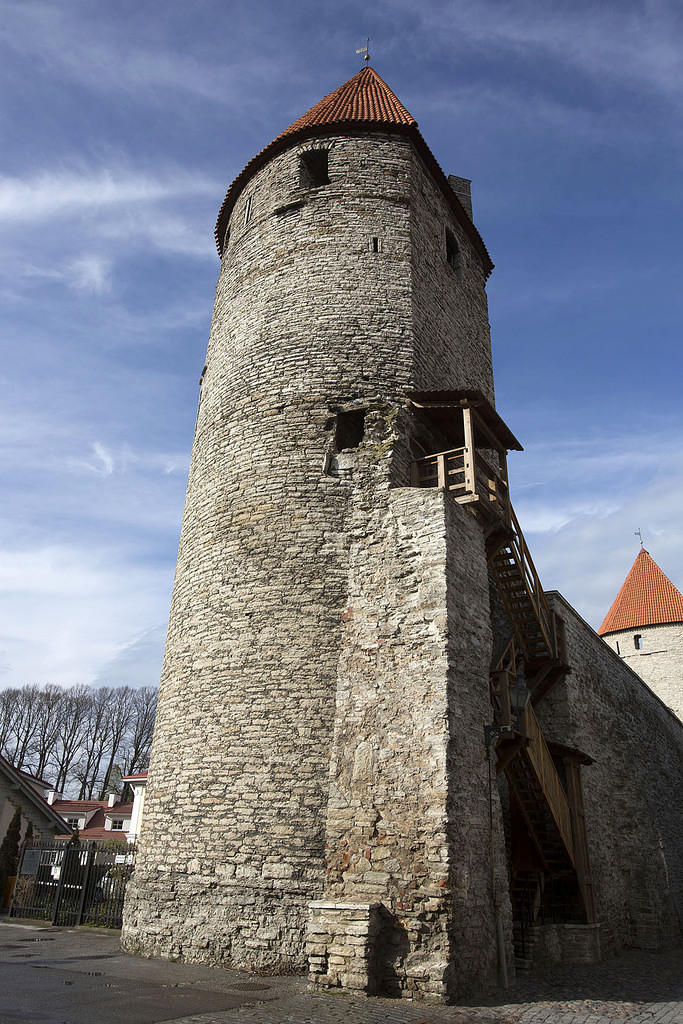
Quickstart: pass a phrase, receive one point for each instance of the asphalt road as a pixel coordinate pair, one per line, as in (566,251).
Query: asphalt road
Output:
(80,976)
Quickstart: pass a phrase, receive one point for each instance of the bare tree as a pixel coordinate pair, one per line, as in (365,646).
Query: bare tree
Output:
(22,731)
(73,721)
(136,754)
(50,703)
(83,738)
(119,715)
(95,743)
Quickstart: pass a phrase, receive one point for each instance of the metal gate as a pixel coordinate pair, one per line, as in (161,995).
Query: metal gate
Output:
(70,884)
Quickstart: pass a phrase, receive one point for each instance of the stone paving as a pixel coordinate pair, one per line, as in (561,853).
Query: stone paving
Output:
(636,987)
(80,976)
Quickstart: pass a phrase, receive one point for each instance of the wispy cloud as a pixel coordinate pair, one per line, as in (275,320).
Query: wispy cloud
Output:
(638,46)
(69,612)
(61,193)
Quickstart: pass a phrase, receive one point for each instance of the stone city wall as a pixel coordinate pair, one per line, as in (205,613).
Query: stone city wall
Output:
(633,793)
(408,816)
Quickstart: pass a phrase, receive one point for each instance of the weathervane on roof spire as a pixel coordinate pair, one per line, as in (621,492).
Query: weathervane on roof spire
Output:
(366,50)
(637,533)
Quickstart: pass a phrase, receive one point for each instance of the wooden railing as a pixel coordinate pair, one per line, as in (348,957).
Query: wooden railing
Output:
(501,678)
(468,474)
(532,584)
(546,773)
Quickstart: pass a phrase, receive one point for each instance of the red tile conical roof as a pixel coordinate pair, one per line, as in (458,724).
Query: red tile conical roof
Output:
(647,598)
(365,97)
(364,102)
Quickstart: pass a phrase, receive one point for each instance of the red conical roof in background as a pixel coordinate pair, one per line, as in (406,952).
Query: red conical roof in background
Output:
(647,598)
(365,101)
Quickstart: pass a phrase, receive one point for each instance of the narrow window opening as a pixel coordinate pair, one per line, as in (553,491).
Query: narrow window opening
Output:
(314,168)
(452,252)
(638,642)
(375,245)
(226,239)
(617,645)
(350,429)
(247,210)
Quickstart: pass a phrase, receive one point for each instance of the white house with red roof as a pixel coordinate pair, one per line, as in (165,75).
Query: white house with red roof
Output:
(104,819)
(95,819)
(645,627)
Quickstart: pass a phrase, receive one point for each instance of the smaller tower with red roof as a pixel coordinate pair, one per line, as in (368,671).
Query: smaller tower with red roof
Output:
(645,628)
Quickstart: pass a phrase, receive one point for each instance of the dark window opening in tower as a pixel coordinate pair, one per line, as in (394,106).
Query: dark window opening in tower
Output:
(375,244)
(452,251)
(313,168)
(350,429)
(247,210)
(618,649)
(226,239)
(638,642)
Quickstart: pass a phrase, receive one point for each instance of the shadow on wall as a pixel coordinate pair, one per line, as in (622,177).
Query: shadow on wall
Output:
(386,976)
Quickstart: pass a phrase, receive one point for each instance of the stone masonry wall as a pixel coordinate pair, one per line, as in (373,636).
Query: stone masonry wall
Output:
(308,319)
(633,793)
(408,824)
(659,662)
(450,310)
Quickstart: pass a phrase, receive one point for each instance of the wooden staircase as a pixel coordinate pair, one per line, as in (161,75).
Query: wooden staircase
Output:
(538,630)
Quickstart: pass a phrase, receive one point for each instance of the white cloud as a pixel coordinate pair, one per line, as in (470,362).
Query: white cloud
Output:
(62,193)
(580,501)
(90,274)
(105,461)
(639,47)
(70,612)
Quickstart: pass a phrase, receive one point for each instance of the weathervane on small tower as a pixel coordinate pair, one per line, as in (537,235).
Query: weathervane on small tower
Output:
(366,50)
(638,534)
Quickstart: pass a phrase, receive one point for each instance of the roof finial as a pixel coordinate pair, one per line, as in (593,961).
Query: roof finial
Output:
(366,50)
(638,534)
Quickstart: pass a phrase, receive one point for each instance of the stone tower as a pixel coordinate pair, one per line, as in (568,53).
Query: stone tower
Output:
(645,628)
(318,746)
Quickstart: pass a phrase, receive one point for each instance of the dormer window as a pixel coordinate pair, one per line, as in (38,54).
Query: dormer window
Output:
(313,168)
(117,824)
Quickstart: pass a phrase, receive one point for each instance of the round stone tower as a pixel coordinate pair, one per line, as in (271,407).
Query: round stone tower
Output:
(645,627)
(351,278)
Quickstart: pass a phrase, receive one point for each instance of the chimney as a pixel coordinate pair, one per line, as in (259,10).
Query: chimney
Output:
(112,799)
(52,796)
(463,190)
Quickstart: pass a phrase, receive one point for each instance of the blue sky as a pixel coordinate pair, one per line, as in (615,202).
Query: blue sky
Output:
(121,127)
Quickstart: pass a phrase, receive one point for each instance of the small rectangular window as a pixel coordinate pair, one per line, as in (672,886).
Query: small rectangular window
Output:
(73,822)
(117,824)
(452,251)
(314,168)
(247,210)
(638,642)
(350,429)
(375,245)
(617,646)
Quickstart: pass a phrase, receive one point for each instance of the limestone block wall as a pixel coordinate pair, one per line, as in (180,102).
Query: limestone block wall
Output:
(659,661)
(408,814)
(633,793)
(311,318)
(450,310)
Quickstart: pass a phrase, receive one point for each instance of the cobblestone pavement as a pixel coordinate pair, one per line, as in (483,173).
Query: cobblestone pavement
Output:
(634,988)
(66,976)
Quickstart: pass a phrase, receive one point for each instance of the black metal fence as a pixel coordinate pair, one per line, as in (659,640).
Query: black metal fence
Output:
(70,885)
